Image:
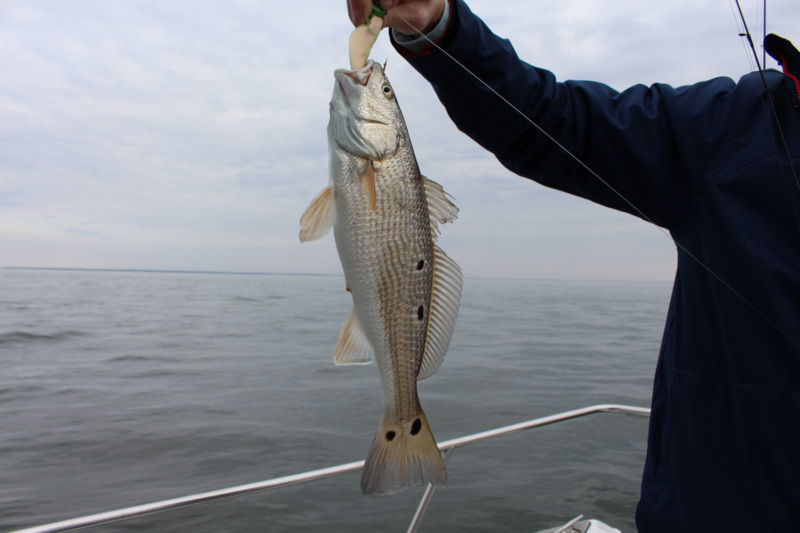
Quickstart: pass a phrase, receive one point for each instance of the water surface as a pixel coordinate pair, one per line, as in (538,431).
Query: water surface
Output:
(122,388)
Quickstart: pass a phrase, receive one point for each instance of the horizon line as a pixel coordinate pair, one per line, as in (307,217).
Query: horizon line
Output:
(245,273)
(166,271)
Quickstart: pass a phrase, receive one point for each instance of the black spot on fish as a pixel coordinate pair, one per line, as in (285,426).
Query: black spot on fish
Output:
(421,264)
(416,426)
(421,312)
(390,435)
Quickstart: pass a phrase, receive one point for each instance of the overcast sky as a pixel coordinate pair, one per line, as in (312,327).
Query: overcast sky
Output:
(192,135)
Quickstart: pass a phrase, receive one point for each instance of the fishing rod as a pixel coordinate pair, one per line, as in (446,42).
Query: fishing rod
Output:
(764,34)
(746,34)
(591,171)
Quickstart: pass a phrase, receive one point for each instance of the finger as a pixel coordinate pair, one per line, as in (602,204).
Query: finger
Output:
(358,10)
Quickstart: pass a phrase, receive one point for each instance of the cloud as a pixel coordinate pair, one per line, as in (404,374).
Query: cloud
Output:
(192,135)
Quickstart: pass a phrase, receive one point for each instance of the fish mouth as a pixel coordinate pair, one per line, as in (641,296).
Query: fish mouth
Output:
(350,87)
(359,77)
(351,83)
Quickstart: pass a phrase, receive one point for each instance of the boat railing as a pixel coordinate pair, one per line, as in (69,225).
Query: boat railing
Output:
(447,448)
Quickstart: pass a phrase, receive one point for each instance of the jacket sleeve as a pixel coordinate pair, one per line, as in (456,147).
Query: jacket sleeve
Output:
(651,145)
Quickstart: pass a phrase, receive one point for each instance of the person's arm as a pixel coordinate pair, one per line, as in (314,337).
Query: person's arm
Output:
(651,144)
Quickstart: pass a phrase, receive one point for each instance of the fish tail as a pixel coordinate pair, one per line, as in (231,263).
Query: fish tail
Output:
(400,456)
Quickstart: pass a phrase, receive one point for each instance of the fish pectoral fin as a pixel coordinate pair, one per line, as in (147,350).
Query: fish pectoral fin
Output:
(368,184)
(445,299)
(353,347)
(440,208)
(319,216)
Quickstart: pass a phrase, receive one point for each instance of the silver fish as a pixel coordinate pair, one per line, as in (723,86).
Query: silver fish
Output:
(405,290)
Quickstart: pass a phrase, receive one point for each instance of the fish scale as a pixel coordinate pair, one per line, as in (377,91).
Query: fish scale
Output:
(402,234)
(405,290)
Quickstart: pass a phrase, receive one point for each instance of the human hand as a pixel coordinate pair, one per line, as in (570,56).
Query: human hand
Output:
(419,14)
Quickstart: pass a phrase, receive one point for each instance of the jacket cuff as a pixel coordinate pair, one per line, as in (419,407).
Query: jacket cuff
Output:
(410,46)
(416,44)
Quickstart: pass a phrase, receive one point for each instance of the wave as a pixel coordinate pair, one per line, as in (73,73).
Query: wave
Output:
(27,337)
(136,358)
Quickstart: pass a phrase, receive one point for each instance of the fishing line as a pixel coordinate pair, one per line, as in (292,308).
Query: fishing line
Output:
(764,35)
(755,66)
(610,187)
(749,38)
(742,34)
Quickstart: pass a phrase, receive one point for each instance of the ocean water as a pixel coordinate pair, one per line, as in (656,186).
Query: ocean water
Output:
(123,388)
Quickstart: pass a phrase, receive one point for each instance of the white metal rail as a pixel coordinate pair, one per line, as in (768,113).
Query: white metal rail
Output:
(447,447)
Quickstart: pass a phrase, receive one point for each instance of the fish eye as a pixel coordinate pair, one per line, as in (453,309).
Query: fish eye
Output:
(387,90)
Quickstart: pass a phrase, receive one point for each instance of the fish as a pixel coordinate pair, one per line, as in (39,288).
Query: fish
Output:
(406,291)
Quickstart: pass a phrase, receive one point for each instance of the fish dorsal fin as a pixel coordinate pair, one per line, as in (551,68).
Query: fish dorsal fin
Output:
(319,216)
(353,347)
(440,208)
(445,298)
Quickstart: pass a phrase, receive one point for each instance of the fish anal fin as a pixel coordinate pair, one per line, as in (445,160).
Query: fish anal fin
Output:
(353,347)
(319,216)
(440,208)
(445,300)
(403,454)
(368,184)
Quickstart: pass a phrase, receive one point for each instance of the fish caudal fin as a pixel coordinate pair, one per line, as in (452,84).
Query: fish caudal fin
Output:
(400,457)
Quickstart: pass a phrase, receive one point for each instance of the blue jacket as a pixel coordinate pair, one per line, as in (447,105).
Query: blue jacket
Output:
(701,161)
